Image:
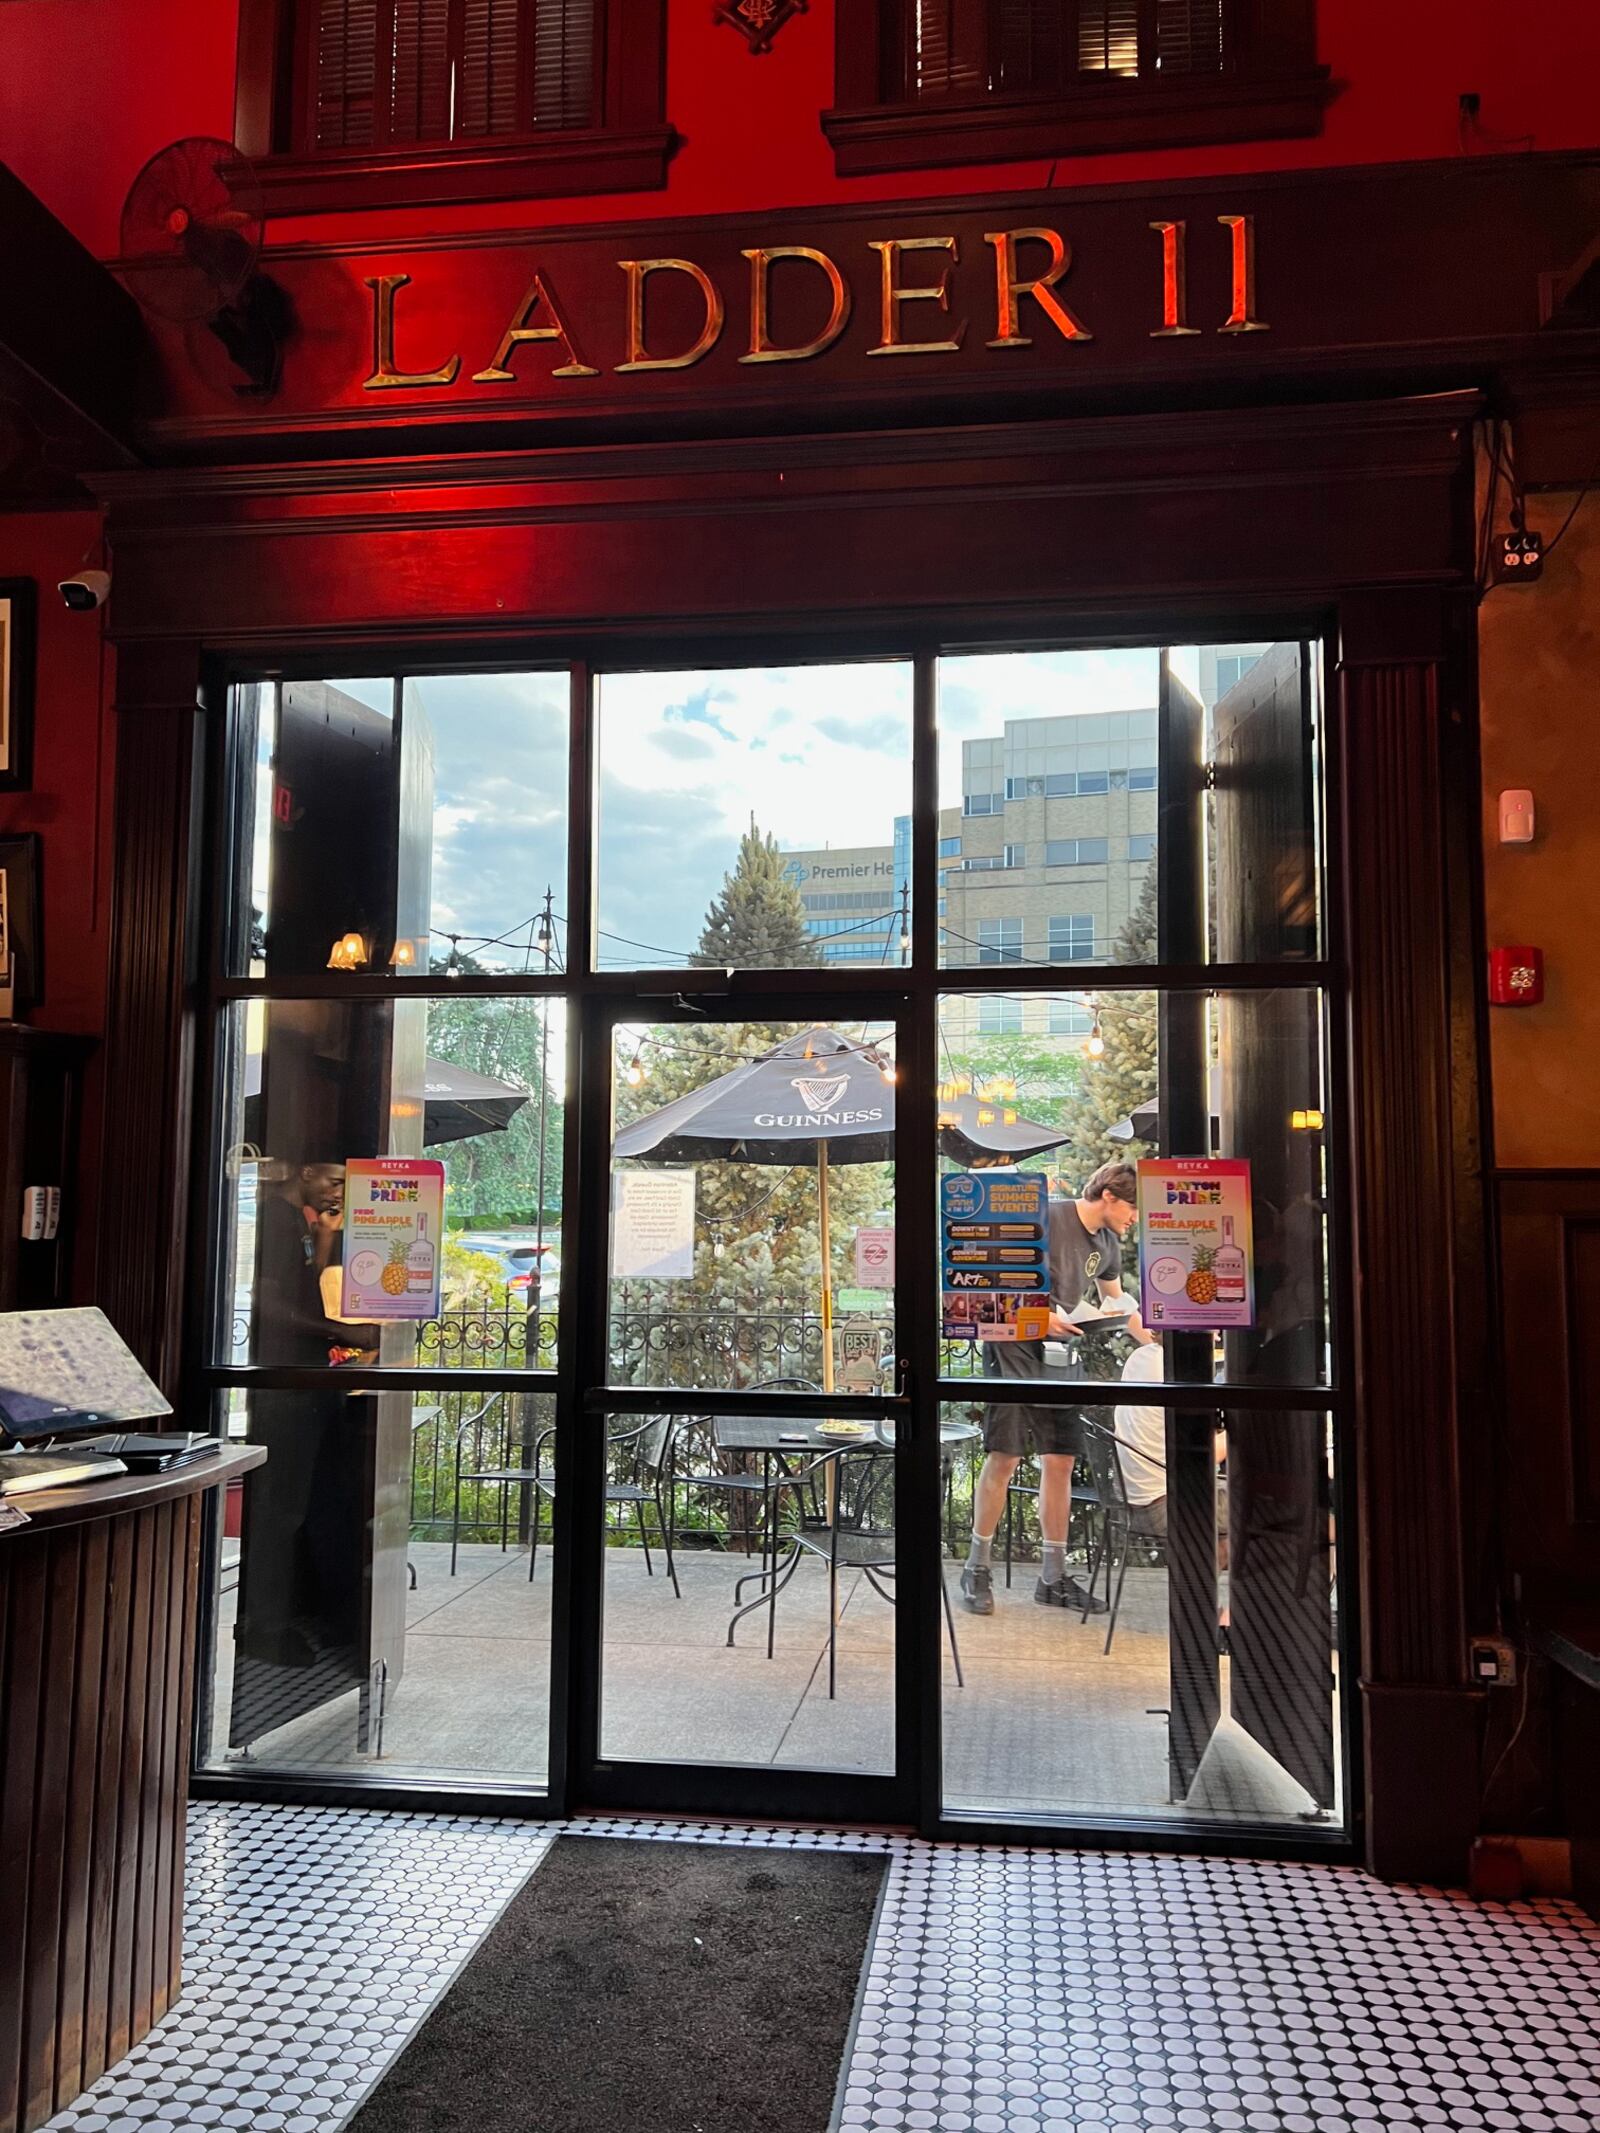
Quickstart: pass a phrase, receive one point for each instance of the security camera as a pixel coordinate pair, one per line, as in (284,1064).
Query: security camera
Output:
(89,589)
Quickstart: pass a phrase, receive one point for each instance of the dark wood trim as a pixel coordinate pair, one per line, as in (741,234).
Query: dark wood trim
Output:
(150,1007)
(1092,120)
(627,149)
(582,161)
(867,532)
(1416,1216)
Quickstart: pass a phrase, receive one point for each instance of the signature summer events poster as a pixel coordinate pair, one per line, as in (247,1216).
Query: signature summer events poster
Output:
(393,1217)
(996,1278)
(1196,1251)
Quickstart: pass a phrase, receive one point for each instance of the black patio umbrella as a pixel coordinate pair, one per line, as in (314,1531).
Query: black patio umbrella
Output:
(457,1103)
(818,1093)
(1143,1122)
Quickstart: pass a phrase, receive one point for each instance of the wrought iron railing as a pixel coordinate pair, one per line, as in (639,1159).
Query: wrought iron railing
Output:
(652,1342)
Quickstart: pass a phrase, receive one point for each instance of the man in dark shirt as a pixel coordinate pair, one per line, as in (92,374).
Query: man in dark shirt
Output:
(1085,1268)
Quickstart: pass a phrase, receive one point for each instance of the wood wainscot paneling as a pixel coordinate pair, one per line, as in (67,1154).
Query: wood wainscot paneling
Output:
(97,1655)
(1549,1472)
(1549,1225)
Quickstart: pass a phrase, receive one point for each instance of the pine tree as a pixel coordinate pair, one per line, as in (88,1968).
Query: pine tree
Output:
(758,1247)
(758,922)
(493,1178)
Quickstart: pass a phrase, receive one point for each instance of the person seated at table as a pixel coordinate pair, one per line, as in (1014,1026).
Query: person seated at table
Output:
(1142,1453)
(1085,1246)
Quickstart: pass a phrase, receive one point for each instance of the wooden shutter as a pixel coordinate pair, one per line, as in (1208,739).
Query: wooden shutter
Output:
(1108,37)
(420,71)
(345,60)
(1030,46)
(486,96)
(1189,36)
(564,33)
(431,71)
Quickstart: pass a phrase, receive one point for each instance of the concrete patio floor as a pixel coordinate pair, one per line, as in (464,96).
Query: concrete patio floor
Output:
(1046,1723)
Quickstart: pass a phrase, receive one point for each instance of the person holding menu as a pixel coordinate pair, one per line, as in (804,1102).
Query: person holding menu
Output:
(1085,1243)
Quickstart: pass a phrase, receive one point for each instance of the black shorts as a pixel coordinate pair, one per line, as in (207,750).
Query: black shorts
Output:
(1014,1428)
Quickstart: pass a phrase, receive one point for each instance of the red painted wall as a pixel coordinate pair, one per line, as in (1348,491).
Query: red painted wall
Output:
(144,72)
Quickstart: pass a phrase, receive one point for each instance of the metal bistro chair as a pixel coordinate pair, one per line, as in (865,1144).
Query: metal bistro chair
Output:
(644,1446)
(690,1453)
(1116,1538)
(642,1475)
(858,1534)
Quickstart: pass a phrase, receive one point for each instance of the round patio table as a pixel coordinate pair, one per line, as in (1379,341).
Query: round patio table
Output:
(780,1441)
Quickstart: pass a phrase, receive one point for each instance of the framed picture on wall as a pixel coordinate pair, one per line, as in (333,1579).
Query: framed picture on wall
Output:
(21,939)
(17,606)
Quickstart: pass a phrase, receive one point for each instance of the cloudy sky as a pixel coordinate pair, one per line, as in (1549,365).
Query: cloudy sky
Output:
(821,755)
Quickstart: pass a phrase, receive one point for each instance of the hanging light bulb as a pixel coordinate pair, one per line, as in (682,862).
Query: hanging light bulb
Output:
(635,1069)
(1097,1042)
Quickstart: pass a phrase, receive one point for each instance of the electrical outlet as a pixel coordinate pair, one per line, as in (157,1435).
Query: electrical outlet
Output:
(1519,558)
(1494,1662)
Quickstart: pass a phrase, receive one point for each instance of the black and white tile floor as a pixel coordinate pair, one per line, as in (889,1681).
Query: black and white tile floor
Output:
(1009,1991)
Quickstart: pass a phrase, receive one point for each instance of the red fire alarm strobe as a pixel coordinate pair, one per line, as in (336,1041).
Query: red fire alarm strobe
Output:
(1516,977)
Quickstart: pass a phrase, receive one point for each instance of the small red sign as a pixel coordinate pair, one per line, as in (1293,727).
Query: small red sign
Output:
(1516,977)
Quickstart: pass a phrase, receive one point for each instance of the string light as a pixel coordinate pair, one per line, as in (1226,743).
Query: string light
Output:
(636,1068)
(1097,1042)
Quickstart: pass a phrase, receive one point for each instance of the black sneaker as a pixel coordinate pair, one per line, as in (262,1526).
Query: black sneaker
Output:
(977,1589)
(1067,1592)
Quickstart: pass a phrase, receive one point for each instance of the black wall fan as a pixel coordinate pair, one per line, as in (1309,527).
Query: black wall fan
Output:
(191,245)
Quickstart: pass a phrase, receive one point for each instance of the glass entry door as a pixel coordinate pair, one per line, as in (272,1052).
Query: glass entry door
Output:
(745,1435)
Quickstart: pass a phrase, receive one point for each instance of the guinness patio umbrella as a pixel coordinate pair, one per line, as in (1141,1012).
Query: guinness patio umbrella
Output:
(817,1095)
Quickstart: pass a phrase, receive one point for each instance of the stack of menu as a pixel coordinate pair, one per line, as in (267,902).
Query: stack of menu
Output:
(23,1472)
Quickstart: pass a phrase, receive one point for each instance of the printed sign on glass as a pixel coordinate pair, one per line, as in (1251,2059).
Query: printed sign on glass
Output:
(874,1258)
(1196,1251)
(393,1222)
(652,1225)
(995,1268)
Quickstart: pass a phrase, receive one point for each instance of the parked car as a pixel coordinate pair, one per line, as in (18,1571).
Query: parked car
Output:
(518,1259)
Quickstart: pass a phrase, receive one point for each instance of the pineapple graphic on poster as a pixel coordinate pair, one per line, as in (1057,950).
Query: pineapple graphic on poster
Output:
(1196,1258)
(393,1212)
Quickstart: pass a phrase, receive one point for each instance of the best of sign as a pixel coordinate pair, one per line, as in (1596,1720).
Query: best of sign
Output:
(927,301)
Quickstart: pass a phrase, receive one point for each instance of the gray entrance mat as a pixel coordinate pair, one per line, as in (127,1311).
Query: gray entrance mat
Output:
(643,1987)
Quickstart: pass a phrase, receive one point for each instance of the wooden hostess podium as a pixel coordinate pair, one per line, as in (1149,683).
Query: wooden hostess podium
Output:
(97,1659)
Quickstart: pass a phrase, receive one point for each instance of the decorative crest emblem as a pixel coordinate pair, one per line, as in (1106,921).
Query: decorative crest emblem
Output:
(759,20)
(820,1092)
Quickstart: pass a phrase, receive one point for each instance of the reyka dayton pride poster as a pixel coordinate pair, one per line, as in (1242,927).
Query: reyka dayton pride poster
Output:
(1196,1250)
